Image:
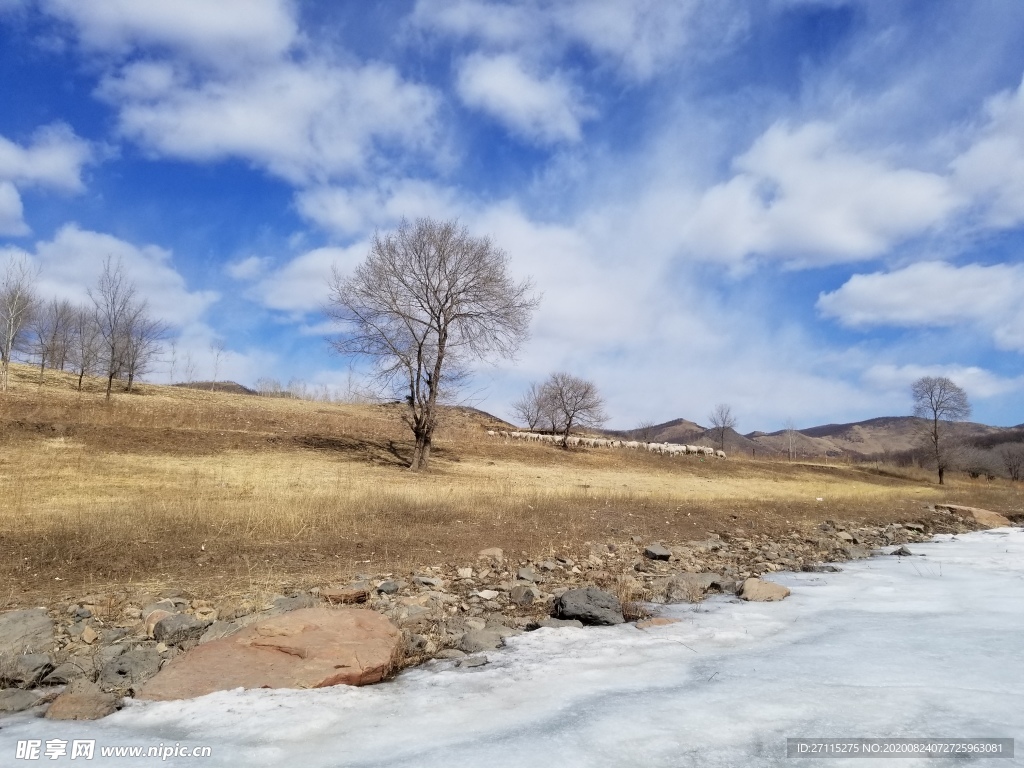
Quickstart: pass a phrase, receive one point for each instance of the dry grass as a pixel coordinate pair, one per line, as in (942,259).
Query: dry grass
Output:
(214,493)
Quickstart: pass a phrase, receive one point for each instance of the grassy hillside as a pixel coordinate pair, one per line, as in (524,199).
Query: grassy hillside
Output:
(215,491)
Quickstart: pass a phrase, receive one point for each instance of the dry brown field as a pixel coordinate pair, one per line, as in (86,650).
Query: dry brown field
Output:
(216,493)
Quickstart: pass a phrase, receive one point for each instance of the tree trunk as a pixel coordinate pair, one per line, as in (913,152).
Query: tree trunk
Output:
(80,377)
(131,379)
(110,383)
(421,451)
(942,471)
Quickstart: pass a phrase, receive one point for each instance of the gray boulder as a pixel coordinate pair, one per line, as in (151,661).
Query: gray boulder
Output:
(763,591)
(26,669)
(179,629)
(388,587)
(293,603)
(523,594)
(552,623)
(25,631)
(17,700)
(657,552)
(129,669)
(71,670)
(590,606)
(527,574)
(476,640)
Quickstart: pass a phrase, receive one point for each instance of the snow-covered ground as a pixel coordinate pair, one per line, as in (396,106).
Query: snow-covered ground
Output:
(928,646)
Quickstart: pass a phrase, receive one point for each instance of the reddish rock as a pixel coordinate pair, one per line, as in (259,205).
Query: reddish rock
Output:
(306,648)
(982,516)
(658,621)
(82,700)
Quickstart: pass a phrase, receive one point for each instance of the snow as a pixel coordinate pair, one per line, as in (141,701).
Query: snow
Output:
(924,646)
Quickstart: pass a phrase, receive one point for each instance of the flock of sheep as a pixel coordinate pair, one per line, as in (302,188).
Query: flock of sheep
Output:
(671,449)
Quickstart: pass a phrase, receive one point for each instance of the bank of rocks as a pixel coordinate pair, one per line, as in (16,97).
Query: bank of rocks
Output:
(105,646)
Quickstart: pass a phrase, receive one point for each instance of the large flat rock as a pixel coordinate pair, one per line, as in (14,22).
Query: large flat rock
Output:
(982,516)
(307,648)
(25,631)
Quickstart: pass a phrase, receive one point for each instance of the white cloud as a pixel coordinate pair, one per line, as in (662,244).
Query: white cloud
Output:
(226,30)
(12,221)
(935,293)
(54,159)
(799,195)
(976,381)
(304,122)
(248,268)
(301,286)
(348,211)
(992,169)
(544,109)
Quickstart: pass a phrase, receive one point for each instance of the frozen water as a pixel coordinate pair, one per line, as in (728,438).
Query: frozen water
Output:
(902,647)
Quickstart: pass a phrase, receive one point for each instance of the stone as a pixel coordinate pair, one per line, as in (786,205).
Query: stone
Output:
(82,700)
(219,629)
(473,661)
(553,623)
(589,605)
(495,554)
(818,568)
(427,581)
(305,648)
(130,669)
(476,640)
(657,552)
(527,574)
(179,629)
(26,669)
(902,552)
(857,553)
(465,573)
(983,517)
(657,621)
(167,605)
(70,670)
(692,587)
(523,595)
(450,653)
(844,536)
(25,631)
(762,591)
(154,618)
(547,565)
(17,700)
(89,635)
(919,527)
(388,587)
(350,595)
(488,594)
(292,603)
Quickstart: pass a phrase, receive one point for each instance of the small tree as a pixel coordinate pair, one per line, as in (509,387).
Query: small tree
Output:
(722,420)
(218,349)
(644,431)
(941,403)
(145,335)
(530,409)
(51,334)
(115,303)
(17,305)
(572,402)
(85,350)
(790,436)
(1013,460)
(428,300)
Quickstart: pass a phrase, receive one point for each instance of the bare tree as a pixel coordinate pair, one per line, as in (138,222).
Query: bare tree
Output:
(941,403)
(114,300)
(190,368)
(429,299)
(575,402)
(218,349)
(530,409)
(790,436)
(722,420)
(51,333)
(145,334)
(1013,460)
(172,361)
(643,432)
(85,351)
(17,304)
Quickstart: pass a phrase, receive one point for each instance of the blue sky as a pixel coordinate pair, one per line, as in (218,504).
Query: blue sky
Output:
(793,206)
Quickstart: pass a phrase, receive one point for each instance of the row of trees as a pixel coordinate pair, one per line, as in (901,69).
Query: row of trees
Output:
(561,403)
(113,335)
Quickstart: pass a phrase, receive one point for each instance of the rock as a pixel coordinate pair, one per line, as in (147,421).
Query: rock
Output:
(89,635)
(473,661)
(553,623)
(495,554)
(17,700)
(450,653)
(902,552)
(763,591)
(25,631)
(658,621)
(209,615)
(305,648)
(427,581)
(388,587)
(488,594)
(919,527)
(523,595)
(983,517)
(154,618)
(475,623)
(844,536)
(292,603)
(465,573)
(818,568)
(476,640)
(219,629)
(166,605)
(527,574)
(547,565)
(350,595)
(590,606)
(179,629)
(71,670)
(130,669)
(26,669)
(857,553)
(83,700)
(657,552)
(692,587)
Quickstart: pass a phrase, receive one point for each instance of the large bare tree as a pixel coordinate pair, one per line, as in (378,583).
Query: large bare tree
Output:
(51,333)
(17,304)
(573,402)
(722,420)
(429,299)
(940,403)
(145,335)
(531,408)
